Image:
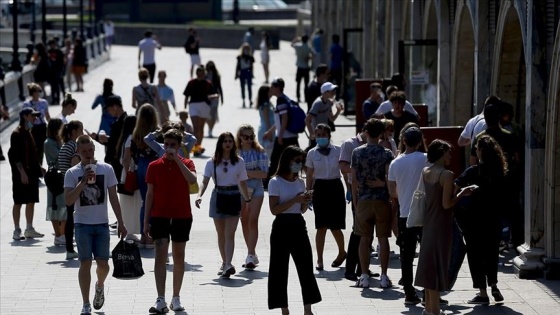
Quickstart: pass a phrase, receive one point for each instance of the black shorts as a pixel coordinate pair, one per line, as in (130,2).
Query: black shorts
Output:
(179,229)
(24,193)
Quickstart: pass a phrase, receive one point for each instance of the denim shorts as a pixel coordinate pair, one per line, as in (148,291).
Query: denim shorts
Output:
(92,241)
(257,185)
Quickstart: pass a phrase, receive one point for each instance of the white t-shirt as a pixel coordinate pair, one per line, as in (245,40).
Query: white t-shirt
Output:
(148,47)
(474,126)
(231,177)
(386,107)
(405,170)
(91,206)
(109,28)
(324,166)
(286,190)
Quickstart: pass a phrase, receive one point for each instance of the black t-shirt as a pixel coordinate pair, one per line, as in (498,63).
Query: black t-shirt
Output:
(57,59)
(191,50)
(508,142)
(399,122)
(488,200)
(198,90)
(312,91)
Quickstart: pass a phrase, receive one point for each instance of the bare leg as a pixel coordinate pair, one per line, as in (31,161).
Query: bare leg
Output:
(384,253)
(255,210)
(320,244)
(56,228)
(339,239)
(364,254)
(220,230)
(102,271)
(16,213)
(160,272)
(29,210)
(230,228)
(84,279)
(178,266)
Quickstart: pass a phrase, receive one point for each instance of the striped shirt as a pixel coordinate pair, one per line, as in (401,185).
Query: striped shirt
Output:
(67,152)
(254,160)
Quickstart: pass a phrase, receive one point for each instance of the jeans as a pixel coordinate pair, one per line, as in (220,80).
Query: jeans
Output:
(246,79)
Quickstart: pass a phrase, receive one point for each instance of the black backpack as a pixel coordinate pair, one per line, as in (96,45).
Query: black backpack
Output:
(54,179)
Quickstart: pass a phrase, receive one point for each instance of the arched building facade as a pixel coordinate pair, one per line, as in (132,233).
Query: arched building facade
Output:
(510,48)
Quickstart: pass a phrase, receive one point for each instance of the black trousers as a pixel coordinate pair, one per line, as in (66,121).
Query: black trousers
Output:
(407,240)
(483,249)
(277,152)
(69,228)
(289,238)
(152,70)
(39,133)
(301,73)
(353,266)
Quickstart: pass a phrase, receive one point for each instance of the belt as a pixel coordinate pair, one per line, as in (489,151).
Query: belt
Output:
(227,188)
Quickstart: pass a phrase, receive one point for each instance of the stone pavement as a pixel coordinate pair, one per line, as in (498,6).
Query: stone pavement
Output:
(36,278)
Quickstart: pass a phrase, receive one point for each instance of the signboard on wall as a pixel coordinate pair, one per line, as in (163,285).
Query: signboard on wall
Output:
(419,77)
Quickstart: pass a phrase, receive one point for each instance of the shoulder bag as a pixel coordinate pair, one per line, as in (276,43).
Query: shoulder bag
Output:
(226,202)
(418,205)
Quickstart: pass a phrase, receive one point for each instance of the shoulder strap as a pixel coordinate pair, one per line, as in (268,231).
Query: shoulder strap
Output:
(215,177)
(474,126)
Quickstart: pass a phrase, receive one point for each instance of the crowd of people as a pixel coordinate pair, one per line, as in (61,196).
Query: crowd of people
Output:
(377,172)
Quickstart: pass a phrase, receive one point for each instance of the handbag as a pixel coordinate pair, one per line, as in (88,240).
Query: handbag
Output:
(127,262)
(54,180)
(226,203)
(418,205)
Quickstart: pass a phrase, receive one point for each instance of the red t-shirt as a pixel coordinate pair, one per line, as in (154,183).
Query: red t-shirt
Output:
(171,189)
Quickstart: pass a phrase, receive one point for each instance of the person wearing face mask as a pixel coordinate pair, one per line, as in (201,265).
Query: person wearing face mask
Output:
(288,200)
(26,171)
(169,219)
(321,110)
(39,130)
(323,177)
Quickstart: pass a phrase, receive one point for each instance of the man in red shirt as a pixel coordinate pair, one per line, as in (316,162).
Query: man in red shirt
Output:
(168,213)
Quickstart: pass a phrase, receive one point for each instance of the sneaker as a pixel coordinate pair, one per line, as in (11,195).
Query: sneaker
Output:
(71,255)
(60,240)
(228,271)
(385,282)
(160,307)
(479,300)
(497,295)
(99,298)
(86,309)
(411,299)
(176,304)
(250,262)
(17,235)
(31,233)
(363,282)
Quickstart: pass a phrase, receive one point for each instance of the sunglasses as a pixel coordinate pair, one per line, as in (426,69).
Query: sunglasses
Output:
(248,137)
(167,144)
(225,166)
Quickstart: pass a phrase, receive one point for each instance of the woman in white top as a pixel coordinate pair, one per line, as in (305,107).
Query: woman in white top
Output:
(288,201)
(329,202)
(265,56)
(230,178)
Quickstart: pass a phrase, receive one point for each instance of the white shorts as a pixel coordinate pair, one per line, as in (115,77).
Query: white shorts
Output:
(199,109)
(195,60)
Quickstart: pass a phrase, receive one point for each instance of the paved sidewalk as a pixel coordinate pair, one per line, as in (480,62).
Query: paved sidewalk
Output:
(35,277)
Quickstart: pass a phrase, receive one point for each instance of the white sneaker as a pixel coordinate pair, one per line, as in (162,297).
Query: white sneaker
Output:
(31,233)
(86,309)
(250,262)
(160,307)
(71,255)
(385,282)
(17,235)
(60,240)
(176,304)
(363,282)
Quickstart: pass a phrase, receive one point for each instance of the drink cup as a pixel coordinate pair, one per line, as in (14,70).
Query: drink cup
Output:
(92,167)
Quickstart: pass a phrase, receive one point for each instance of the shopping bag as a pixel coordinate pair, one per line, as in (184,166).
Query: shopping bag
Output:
(418,205)
(127,262)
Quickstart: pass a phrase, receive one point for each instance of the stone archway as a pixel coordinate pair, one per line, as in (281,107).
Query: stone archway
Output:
(552,156)
(508,75)
(462,63)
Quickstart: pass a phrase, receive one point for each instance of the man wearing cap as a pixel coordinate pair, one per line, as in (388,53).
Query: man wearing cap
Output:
(283,138)
(26,171)
(372,103)
(313,90)
(404,173)
(113,105)
(321,110)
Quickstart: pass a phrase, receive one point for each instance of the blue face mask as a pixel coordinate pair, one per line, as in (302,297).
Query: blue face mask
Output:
(28,124)
(296,167)
(322,142)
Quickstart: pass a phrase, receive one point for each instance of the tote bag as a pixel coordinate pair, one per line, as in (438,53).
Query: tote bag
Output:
(418,205)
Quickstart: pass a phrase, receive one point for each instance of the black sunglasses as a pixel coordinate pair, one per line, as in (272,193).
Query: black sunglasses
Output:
(248,137)
(225,166)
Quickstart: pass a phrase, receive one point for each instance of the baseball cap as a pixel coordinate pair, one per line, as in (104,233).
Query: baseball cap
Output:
(278,82)
(112,100)
(28,111)
(412,136)
(327,86)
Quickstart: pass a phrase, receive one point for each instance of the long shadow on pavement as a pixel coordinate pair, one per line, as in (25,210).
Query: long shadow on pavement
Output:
(25,243)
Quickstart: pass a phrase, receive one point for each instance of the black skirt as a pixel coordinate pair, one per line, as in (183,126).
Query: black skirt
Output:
(329,204)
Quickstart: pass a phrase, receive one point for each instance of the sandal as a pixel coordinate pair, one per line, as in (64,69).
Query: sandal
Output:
(496,294)
(338,263)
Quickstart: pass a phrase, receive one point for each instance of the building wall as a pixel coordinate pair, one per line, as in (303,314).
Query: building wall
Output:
(502,47)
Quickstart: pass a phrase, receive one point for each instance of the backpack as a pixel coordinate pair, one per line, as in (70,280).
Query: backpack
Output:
(296,117)
(54,179)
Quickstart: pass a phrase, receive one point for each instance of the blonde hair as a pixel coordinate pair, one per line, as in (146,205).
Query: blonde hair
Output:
(255,145)
(32,87)
(146,122)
